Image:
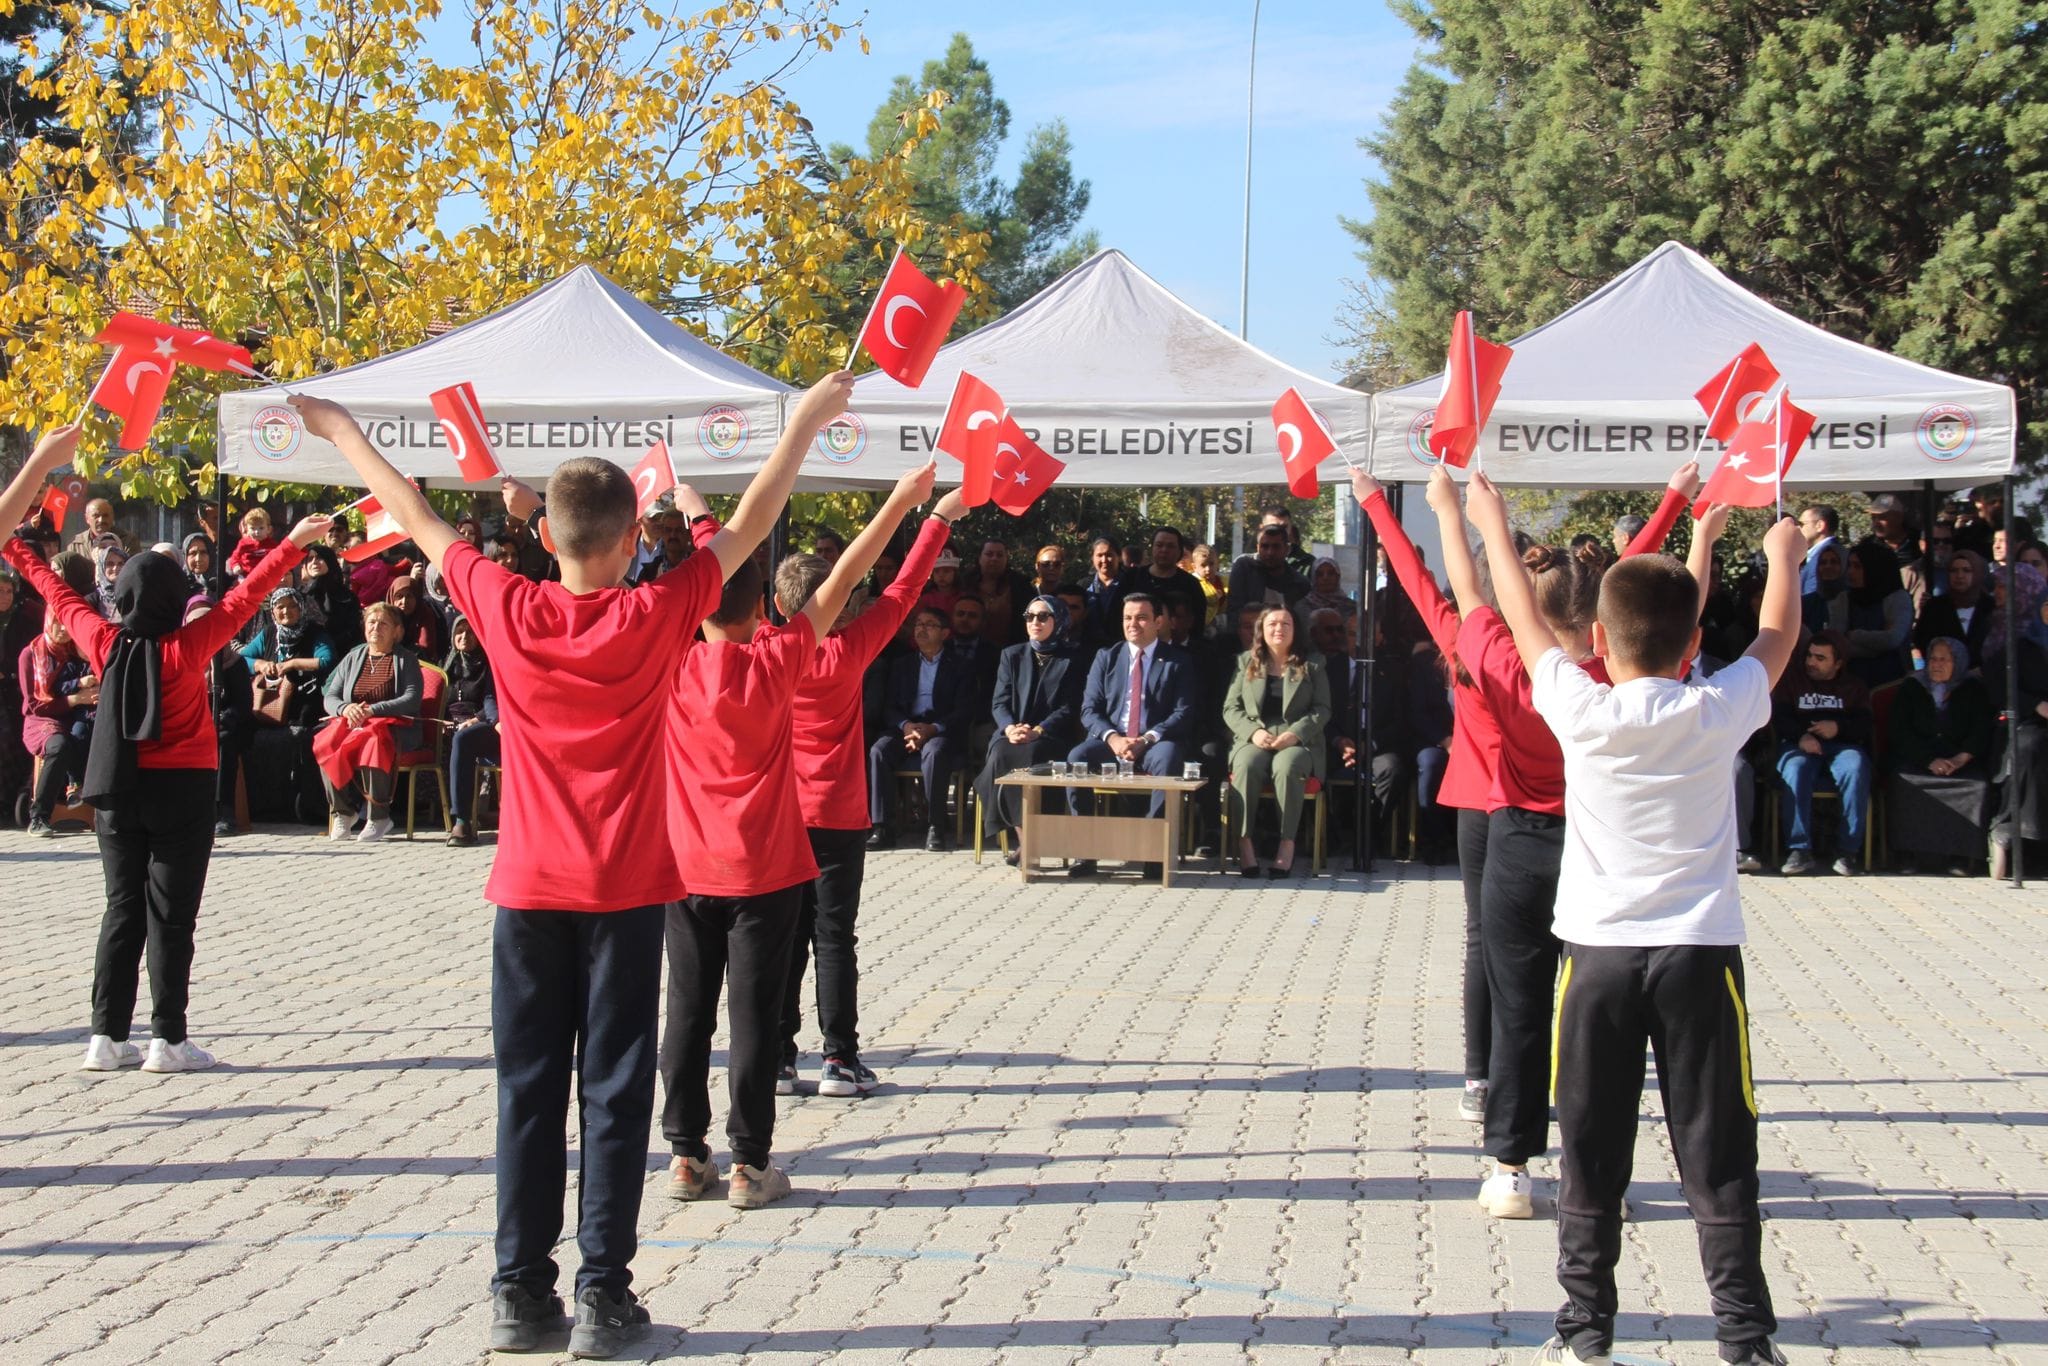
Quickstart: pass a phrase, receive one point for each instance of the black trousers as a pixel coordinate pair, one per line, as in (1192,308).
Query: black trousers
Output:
(826,911)
(1688,1003)
(233,744)
(1516,899)
(1003,808)
(573,991)
(1478,1002)
(63,764)
(155,845)
(710,938)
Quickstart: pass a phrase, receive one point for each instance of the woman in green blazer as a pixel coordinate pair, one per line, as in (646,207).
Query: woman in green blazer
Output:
(1277,707)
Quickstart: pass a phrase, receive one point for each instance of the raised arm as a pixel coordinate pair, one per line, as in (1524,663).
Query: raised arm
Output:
(766,496)
(1683,488)
(1700,559)
(1450,522)
(218,627)
(1778,620)
(393,491)
(53,451)
(1533,637)
(857,559)
(1409,571)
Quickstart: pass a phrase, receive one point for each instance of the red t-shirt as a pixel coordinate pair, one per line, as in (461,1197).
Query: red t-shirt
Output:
(1475,735)
(830,749)
(733,817)
(186,738)
(1530,773)
(583,687)
(1650,540)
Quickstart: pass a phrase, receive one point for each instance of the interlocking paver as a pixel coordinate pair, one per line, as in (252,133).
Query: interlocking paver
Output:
(1124,1125)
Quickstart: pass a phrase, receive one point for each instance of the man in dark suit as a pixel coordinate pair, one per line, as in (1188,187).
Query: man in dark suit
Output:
(925,713)
(1037,711)
(1140,705)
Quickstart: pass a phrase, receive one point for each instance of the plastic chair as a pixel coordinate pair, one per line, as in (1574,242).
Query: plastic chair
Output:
(957,784)
(64,811)
(431,759)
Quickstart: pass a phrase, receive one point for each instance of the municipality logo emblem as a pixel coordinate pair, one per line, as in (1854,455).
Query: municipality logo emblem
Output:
(1946,431)
(722,432)
(843,439)
(1418,439)
(275,432)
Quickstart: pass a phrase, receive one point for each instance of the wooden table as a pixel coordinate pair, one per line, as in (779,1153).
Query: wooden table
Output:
(1131,839)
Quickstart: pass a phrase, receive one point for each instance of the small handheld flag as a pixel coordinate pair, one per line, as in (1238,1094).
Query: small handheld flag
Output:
(462,419)
(653,476)
(909,321)
(381,530)
(139,375)
(1022,469)
(1472,375)
(1304,442)
(1736,389)
(1752,473)
(969,436)
(57,504)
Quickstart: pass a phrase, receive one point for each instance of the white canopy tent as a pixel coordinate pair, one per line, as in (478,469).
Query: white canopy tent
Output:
(578,367)
(1602,395)
(1111,374)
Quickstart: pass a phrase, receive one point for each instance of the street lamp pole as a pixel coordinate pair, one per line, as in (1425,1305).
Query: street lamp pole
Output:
(1244,276)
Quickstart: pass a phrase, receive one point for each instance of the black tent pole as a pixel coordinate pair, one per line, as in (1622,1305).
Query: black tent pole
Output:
(2014,827)
(1368,627)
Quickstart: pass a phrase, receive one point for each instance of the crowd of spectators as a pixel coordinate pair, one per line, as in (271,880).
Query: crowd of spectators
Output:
(1128,649)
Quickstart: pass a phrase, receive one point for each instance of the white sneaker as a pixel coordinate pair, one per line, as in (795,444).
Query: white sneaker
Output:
(184,1056)
(1554,1351)
(338,827)
(108,1054)
(375,830)
(1508,1195)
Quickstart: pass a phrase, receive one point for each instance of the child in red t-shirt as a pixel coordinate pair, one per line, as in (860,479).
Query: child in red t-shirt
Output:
(257,540)
(583,670)
(738,830)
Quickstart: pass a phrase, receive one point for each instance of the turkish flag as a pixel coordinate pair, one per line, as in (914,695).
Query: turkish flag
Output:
(1752,473)
(969,436)
(903,346)
(181,344)
(653,476)
(1472,376)
(133,389)
(57,504)
(463,421)
(1304,442)
(1022,469)
(381,530)
(1736,389)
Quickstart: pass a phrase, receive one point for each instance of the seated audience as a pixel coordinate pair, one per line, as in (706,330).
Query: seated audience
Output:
(257,540)
(198,554)
(1051,567)
(21,620)
(1817,608)
(945,587)
(420,628)
(1326,594)
(1140,705)
(1161,578)
(99,526)
(1875,615)
(1940,744)
(1821,714)
(967,644)
(287,648)
(926,707)
(328,601)
(1962,610)
(2024,769)
(1626,529)
(1893,528)
(1105,563)
(1265,578)
(1003,592)
(107,561)
(1036,708)
(472,715)
(1201,562)
(373,699)
(828,545)
(230,692)
(59,693)
(1277,708)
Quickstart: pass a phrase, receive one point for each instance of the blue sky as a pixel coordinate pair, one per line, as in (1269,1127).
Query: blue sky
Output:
(1154,97)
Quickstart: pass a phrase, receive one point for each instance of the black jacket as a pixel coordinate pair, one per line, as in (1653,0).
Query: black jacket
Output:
(1052,700)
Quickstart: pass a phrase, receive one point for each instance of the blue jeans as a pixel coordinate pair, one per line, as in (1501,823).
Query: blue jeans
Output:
(466,747)
(1801,772)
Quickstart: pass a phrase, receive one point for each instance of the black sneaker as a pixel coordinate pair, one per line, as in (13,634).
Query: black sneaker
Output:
(521,1317)
(1800,864)
(1758,1353)
(1848,865)
(839,1078)
(605,1325)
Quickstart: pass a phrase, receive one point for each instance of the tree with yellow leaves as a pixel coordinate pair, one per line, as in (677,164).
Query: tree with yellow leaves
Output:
(334,182)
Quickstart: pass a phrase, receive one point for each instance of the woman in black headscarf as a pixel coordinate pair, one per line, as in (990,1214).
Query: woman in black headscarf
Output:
(1876,614)
(473,714)
(330,604)
(150,770)
(1037,708)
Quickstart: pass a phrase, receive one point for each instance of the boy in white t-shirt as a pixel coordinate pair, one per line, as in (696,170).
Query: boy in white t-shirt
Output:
(1651,920)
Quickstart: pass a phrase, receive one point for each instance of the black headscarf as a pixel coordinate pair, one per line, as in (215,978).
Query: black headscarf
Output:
(149,604)
(469,673)
(1880,573)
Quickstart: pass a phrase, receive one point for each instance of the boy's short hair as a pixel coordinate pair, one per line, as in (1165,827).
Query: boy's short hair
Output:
(1649,608)
(798,578)
(591,505)
(741,599)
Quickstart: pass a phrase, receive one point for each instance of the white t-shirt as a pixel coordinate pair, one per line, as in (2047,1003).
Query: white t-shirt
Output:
(1649,802)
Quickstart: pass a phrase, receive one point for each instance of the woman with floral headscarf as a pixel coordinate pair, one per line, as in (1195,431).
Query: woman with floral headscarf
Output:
(288,646)
(1939,753)
(107,561)
(2024,768)
(1037,709)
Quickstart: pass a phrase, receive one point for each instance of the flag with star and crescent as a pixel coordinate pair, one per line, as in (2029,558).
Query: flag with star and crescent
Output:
(138,377)
(909,321)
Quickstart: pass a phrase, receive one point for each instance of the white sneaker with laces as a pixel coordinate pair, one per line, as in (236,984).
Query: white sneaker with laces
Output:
(183,1056)
(1554,1351)
(1508,1195)
(108,1054)
(375,830)
(338,827)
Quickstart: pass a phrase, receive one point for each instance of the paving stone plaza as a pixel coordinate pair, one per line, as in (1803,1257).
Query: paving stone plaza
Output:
(1120,1123)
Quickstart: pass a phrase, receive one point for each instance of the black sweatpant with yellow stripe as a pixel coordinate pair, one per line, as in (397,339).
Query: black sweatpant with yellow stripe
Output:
(1687,1003)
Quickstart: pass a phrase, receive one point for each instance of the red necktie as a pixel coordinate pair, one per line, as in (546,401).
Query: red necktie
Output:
(1136,724)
